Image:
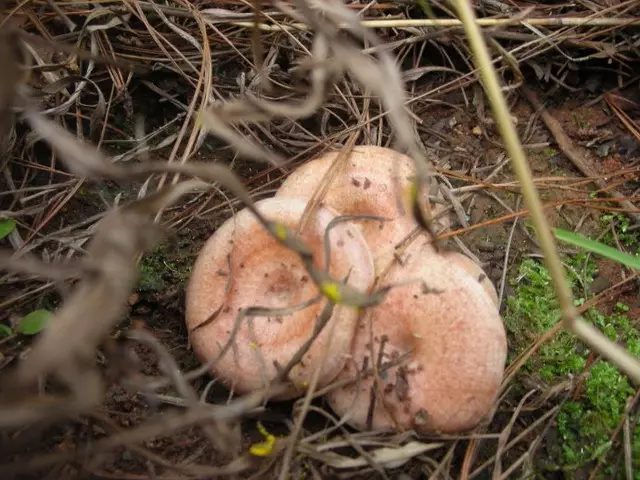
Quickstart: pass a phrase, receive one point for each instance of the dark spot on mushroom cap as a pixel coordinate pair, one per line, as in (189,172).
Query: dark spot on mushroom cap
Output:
(367,183)
(355,182)
(421,417)
(481,277)
(341,243)
(426,289)
(402,383)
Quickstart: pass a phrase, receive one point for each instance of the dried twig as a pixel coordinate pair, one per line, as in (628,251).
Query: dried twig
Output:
(577,154)
(618,355)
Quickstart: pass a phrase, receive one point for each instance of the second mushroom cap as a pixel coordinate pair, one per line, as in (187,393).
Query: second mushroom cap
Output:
(450,328)
(368,185)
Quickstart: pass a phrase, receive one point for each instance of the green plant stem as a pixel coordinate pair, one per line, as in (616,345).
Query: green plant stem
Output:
(593,337)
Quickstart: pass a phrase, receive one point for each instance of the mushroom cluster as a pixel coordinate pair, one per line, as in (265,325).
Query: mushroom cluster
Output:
(429,357)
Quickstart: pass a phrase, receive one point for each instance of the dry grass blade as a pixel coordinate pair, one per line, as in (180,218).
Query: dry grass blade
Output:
(618,355)
(454,22)
(214,122)
(382,78)
(99,109)
(8,82)
(336,166)
(30,265)
(257,311)
(223,436)
(576,155)
(250,108)
(254,109)
(119,239)
(319,325)
(345,218)
(168,423)
(386,457)
(85,161)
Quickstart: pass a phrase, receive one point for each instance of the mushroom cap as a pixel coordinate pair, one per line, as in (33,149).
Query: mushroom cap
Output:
(264,273)
(476,271)
(457,348)
(366,186)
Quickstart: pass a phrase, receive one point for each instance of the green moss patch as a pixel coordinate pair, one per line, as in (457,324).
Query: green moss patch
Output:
(165,268)
(585,426)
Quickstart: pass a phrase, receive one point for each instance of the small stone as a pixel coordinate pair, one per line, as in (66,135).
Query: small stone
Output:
(133,299)
(126,456)
(628,145)
(421,417)
(487,246)
(143,310)
(599,284)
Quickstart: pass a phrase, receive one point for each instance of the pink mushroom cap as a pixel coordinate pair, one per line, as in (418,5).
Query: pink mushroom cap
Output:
(457,348)
(476,271)
(264,273)
(366,186)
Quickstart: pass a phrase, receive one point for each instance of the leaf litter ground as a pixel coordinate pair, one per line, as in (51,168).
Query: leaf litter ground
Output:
(464,142)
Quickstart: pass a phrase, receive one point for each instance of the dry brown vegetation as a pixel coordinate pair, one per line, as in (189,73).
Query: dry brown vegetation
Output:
(131,130)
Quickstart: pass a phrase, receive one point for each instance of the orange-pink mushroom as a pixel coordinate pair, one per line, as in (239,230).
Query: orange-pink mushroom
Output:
(366,186)
(241,266)
(474,270)
(449,327)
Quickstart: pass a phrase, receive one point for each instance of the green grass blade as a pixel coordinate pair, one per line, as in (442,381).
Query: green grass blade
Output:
(597,248)
(7,225)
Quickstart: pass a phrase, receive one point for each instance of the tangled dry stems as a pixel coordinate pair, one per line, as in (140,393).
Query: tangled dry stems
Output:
(107,273)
